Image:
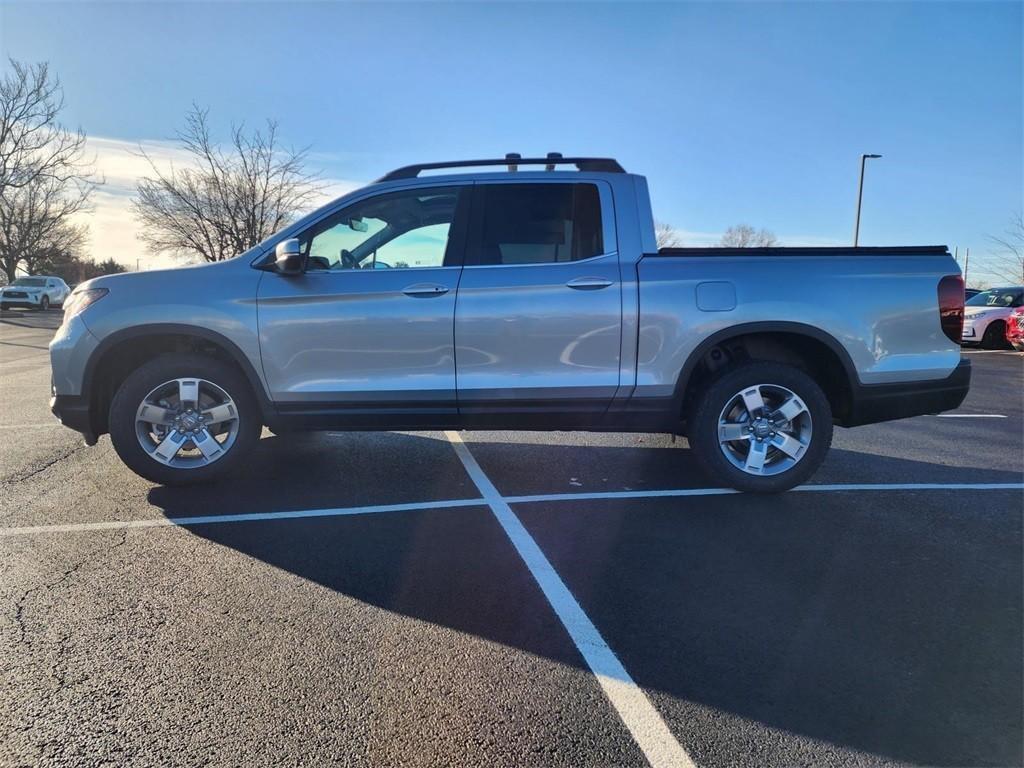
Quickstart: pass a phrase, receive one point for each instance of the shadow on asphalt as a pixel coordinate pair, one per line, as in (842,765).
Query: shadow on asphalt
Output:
(27,318)
(886,623)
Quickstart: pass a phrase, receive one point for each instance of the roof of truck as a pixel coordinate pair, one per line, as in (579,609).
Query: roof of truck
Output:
(512,161)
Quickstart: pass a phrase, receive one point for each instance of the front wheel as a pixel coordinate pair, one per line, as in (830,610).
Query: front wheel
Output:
(995,336)
(44,303)
(762,427)
(183,419)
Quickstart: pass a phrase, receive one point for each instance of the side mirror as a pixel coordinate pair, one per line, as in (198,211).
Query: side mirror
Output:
(288,258)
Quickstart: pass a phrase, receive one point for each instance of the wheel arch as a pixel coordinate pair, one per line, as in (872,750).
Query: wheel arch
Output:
(122,351)
(811,348)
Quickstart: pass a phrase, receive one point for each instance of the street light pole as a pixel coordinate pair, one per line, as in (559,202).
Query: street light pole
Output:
(860,196)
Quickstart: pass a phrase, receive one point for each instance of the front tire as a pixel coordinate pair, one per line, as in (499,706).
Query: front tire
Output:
(44,303)
(761,427)
(183,419)
(995,336)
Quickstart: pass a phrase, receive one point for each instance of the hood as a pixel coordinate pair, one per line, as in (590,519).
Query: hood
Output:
(197,274)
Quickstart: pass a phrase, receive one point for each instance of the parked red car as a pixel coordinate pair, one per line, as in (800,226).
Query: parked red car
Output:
(1015,329)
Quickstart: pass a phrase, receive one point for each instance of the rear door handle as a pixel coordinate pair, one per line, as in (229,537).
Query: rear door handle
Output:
(425,290)
(589,283)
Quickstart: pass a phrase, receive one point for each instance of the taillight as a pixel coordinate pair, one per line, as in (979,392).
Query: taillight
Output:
(951,306)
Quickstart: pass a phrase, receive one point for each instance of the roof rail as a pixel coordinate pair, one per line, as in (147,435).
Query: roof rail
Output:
(513,161)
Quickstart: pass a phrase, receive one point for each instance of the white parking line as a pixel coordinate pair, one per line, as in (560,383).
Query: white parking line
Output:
(970,416)
(675,492)
(164,522)
(240,518)
(649,730)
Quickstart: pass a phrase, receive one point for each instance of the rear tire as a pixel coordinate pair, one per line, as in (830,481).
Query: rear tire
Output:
(190,464)
(788,452)
(995,336)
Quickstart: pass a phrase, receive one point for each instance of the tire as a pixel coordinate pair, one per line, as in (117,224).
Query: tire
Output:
(995,336)
(44,303)
(219,385)
(722,404)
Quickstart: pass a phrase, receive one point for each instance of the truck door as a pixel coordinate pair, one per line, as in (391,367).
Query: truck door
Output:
(538,317)
(367,329)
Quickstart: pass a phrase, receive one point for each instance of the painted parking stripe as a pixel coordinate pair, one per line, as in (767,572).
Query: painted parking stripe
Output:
(163,522)
(970,416)
(648,728)
(831,488)
(166,522)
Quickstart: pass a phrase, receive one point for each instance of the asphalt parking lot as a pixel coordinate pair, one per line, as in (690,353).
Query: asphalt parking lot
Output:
(519,599)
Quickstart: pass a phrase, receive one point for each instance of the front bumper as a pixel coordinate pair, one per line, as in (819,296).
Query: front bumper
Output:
(73,412)
(27,303)
(973,330)
(70,349)
(885,402)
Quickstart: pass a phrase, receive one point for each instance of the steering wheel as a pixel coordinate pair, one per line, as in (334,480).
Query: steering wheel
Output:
(348,261)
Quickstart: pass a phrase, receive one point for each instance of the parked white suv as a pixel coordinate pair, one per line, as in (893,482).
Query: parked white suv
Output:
(37,292)
(986,313)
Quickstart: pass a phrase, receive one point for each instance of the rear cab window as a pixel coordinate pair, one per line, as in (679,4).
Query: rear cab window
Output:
(543,223)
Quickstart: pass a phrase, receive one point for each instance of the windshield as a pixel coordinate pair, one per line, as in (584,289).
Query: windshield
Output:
(30,281)
(997,297)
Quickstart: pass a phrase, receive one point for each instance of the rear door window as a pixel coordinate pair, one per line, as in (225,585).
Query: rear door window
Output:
(537,223)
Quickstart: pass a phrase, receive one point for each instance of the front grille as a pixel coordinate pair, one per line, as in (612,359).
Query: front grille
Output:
(1019,319)
(15,295)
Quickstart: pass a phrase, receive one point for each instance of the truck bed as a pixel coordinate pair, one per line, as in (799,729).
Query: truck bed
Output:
(894,250)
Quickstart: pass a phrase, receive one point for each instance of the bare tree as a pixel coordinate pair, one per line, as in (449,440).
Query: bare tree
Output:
(44,177)
(36,219)
(228,200)
(666,235)
(745,236)
(33,145)
(1008,263)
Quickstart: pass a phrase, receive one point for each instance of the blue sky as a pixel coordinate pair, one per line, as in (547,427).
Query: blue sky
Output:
(736,112)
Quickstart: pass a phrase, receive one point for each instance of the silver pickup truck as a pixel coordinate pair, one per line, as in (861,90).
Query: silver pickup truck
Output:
(510,299)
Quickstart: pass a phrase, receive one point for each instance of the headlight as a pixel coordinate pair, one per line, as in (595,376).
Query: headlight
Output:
(977,316)
(77,302)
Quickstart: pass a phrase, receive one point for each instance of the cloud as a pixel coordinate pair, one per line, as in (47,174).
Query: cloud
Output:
(113,230)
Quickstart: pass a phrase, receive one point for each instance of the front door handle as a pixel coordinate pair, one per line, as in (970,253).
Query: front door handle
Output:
(421,290)
(589,283)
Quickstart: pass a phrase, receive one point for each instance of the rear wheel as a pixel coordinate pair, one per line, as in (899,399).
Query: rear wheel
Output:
(763,427)
(183,419)
(995,336)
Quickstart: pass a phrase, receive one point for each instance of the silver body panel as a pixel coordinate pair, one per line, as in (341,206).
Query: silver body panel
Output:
(522,334)
(354,336)
(883,311)
(70,349)
(503,336)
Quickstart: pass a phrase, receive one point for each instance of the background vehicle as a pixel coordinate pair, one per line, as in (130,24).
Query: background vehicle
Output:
(526,300)
(36,292)
(971,292)
(1015,329)
(986,313)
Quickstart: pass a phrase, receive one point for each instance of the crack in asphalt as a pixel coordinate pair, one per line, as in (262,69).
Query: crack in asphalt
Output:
(19,612)
(22,476)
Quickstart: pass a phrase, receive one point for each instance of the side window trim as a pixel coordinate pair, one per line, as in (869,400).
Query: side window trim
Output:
(455,251)
(475,234)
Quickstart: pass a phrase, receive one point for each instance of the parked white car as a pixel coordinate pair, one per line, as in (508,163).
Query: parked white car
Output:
(36,292)
(986,313)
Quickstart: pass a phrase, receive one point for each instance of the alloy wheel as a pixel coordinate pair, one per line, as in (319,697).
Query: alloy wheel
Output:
(765,429)
(187,423)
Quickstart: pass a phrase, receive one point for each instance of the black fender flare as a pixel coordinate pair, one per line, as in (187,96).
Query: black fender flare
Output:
(179,329)
(746,329)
